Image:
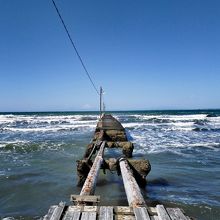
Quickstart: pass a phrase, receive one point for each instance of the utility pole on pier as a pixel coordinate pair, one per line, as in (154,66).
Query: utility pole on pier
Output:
(100,94)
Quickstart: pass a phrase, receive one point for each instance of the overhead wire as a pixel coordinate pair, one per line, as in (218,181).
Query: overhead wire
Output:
(75,48)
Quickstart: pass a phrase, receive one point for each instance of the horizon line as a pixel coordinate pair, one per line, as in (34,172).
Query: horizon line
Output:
(137,110)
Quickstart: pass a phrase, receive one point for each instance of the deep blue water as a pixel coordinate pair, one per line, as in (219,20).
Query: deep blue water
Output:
(38,153)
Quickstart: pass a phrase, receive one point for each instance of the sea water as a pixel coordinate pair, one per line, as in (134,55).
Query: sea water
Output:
(38,154)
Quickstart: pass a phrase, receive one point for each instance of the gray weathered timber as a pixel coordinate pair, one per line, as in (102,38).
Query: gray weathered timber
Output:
(72,215)
(90,183)
(106,213)
(88,216)
(84,212)
(50,212)
(162,213)
(57,212)
(176,214)
(90,199)
(141,213)
(154,217)
(133,193)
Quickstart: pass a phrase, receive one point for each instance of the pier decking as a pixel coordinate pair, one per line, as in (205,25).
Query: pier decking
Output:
(110,133)
(62,212)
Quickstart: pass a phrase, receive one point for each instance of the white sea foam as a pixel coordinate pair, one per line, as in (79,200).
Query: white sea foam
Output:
(172,122)
(179,139)
(172,117)
(185,117)
(45,123)
(132,125)
(214,121)
(2,173)
(183,126)
(52,128)
(49,119)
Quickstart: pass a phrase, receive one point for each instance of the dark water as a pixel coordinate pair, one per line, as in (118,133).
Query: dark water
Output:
(38,153)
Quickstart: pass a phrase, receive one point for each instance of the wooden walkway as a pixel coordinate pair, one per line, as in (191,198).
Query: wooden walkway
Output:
(109,133)
(62,212)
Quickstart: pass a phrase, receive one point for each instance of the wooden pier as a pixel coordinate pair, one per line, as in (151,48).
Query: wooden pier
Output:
(159,212)
(110,133)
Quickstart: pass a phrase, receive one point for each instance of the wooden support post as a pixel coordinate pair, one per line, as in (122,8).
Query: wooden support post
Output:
(90,183)
(134,196)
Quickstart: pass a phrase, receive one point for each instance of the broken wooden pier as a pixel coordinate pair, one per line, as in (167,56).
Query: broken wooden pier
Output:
(110,133)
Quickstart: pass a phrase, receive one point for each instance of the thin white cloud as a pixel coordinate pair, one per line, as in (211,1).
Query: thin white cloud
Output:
(87,106)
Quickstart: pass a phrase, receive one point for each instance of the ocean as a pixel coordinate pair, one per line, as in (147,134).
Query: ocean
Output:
(38,154)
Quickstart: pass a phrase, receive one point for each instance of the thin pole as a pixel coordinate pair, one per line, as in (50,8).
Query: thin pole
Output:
(101,92)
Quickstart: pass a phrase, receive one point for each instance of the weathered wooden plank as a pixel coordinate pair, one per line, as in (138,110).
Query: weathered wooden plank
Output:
(106,213)
(124,217)
(90,208)
(50,212)
(176,214)
(88,216)
(152,210)
(90,183)
(123,210)
(132,189)
(154,217)
(162,213)
(78,198)
(141,213)
(72,215)
(55,212)
(74,208)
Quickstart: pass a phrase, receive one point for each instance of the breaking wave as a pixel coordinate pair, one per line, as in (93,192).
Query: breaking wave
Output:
(34,123)
(173,133)
(152,133)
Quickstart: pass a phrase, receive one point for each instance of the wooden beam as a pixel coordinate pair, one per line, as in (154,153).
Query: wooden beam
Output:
(88,216)
(154,217)
(90,183)
(106,213)
(72,215)
(55,212)
(162,213)
(86,199)
(141,213)
(134,196)
(176,214)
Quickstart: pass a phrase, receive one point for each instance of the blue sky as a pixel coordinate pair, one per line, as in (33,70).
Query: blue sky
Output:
(147,54)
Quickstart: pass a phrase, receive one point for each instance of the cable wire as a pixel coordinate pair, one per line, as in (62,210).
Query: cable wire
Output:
(74,46)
